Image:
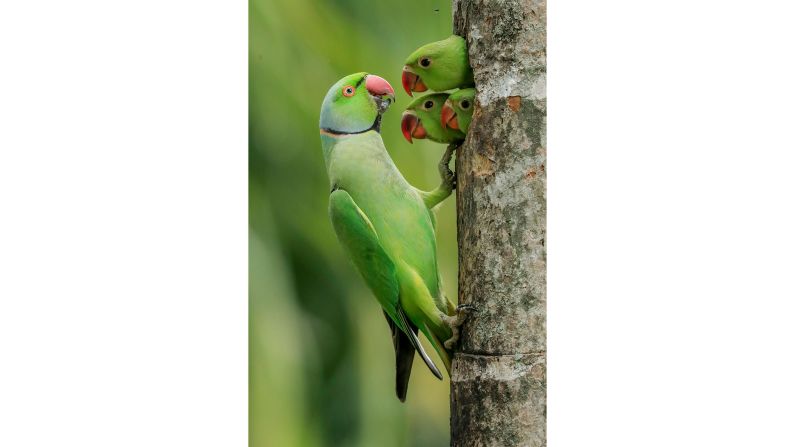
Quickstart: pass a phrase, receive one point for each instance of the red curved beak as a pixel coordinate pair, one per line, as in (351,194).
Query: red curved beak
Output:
(449,118)
(412,82)
(378,86)
(411,126)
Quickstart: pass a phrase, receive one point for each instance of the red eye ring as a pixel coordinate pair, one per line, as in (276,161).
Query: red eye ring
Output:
(348,91)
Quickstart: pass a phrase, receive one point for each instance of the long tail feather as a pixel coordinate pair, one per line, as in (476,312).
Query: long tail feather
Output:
(415,342)
(404,357)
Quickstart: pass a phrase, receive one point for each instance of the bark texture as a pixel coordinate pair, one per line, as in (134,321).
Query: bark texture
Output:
(498,395)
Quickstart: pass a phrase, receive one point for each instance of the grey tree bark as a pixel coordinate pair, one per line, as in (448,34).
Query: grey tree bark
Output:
(498,387)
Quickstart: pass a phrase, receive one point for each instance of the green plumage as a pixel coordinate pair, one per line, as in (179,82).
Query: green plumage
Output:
(447,64)
(384,224)
(463,103)
(428,110)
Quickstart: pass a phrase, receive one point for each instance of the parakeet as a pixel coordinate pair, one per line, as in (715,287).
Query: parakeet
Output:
(438,66)
(386,226)
(423,119)
(457,110)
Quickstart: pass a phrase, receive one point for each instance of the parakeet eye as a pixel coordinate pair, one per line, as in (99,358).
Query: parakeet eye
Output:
(348,91)
(465,104)
(428,105)
(425,62)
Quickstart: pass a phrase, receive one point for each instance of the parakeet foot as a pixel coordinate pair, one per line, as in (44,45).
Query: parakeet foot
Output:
(444,190)
(448,176)
(455,322)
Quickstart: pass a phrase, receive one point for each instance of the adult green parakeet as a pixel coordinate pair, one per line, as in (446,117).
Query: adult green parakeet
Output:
(423,119)
(438,66)
(457,110)
(384,224)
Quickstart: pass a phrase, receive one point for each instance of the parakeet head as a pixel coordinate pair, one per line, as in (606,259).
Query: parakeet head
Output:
(439,66)
(355,104)
(457,110)
(423,119)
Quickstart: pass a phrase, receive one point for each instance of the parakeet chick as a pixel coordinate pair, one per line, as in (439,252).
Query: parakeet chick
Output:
(423,119)
(438,66)
(385,225)
(457,110)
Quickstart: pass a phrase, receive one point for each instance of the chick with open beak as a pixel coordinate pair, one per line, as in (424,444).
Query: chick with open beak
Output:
(412,81)
(449,118)
(438,66)
(457,110)
(423,119)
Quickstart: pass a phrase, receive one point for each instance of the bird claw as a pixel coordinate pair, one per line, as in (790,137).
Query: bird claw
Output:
(448,176)
(466,308)
(455,322)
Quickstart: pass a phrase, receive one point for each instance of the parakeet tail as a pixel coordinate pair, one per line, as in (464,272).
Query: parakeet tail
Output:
(415,342)
(404,357)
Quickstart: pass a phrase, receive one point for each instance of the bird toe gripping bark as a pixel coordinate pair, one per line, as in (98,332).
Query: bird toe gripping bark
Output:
(448,176)
(455,322)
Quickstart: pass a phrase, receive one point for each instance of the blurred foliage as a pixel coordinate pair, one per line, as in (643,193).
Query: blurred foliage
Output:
(321,360)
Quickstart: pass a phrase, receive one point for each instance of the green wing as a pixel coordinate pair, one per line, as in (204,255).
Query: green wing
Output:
(359,238)
(357,235)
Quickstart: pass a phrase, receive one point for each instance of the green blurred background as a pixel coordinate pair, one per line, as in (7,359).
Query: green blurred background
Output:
(321,369)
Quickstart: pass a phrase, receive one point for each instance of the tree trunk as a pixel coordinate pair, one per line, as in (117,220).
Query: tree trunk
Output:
(498,395)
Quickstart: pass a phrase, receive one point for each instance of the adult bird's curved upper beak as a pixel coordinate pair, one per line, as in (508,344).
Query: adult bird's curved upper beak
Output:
(380,89)
(412,81)
(411,126)
(378,86)
(449,118)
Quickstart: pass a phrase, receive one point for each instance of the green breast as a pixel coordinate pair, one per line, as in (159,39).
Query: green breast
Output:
(360,165)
